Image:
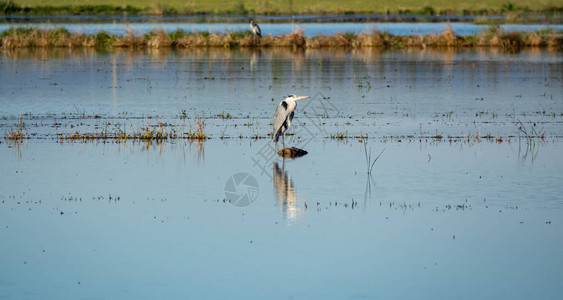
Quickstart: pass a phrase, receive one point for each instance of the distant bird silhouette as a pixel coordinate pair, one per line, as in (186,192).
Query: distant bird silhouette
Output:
(255,28)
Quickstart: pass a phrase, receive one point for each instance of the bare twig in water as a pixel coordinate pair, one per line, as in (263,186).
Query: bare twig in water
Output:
(369,162)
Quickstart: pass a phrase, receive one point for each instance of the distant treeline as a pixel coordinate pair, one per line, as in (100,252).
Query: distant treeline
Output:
(33,37)
(8,7)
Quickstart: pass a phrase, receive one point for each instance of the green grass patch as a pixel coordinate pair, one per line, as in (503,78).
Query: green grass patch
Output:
(271,7)
(103,39)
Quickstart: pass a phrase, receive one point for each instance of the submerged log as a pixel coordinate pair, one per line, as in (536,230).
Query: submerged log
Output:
(291,152)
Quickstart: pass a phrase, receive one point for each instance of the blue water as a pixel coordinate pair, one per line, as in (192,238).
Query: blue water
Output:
(381,92)
(439,219)
(275,29)
(171,235)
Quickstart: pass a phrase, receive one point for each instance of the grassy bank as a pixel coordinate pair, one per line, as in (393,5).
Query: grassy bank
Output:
(287,7)
(60,37)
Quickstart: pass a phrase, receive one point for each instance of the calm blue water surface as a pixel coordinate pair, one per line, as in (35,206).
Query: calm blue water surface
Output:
(170,234)
(275,29)
(462,217)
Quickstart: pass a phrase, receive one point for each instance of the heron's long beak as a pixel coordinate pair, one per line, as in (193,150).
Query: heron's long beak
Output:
(301,97)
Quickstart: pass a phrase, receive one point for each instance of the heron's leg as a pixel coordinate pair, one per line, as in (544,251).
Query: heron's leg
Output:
(283,140)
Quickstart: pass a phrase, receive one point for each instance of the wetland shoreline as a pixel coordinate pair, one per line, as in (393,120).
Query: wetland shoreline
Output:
(61,37)
(122,160)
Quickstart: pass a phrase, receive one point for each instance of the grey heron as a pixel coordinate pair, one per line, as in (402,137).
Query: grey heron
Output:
(255,28)
(284,116)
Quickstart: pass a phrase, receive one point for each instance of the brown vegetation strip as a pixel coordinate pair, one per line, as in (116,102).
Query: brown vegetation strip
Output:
(60,37)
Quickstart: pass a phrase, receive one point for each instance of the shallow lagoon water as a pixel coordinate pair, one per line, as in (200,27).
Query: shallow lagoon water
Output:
(389,93)
(439,218)
(170,234)
(276,29)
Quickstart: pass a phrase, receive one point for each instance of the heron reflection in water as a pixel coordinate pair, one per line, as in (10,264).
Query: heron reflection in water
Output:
(285,192)
(255,54)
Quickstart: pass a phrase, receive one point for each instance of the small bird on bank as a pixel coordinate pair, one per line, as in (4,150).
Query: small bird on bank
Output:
(255,28)
(284,116)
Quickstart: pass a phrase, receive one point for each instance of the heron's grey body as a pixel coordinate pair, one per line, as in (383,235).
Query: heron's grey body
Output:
(255,28)
(284,115)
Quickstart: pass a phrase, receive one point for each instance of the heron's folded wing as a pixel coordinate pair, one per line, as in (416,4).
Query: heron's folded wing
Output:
(279,117)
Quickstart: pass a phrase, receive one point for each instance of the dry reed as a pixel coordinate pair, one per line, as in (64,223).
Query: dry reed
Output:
(17,132)
(61,38)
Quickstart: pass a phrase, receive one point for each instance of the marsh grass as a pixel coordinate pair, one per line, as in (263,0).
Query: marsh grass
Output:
(129,40)
(149,133)
(17,132)
(33,37)
(531,133)
(158,39)
(60,37)
(190,40)
(198,130)
(370,162)
(156,133)
(339,136)
(193,129)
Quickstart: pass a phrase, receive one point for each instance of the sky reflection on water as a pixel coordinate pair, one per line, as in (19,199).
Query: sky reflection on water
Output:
(397,93)
(276,29)
(460,217)
(473,216)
